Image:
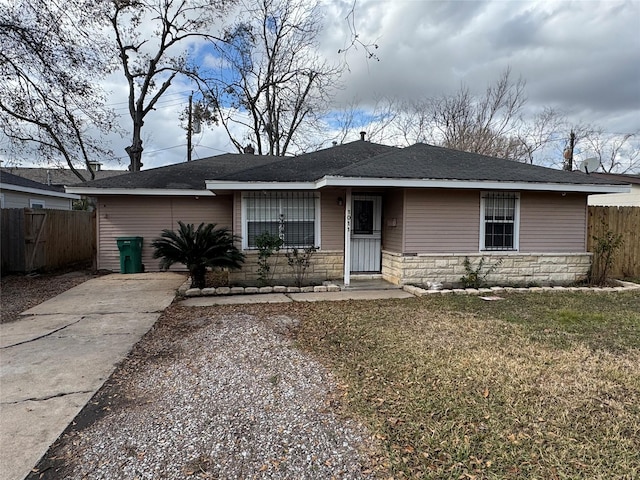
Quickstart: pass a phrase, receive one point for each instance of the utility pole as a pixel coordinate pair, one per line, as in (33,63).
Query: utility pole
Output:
(568,152)
(189,128)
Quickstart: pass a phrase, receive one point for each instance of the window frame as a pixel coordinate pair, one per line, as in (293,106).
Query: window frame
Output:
(516,222)
(35,201)
(244,217)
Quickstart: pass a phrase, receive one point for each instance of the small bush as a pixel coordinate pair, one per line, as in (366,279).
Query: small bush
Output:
(268,244)
(300,260)
(198,248)
(475,277)
(604,252)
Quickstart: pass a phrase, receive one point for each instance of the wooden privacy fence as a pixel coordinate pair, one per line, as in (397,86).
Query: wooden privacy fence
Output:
(45,239)
(622,220)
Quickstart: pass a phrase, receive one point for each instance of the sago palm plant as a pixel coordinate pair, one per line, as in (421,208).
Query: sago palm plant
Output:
(198,248)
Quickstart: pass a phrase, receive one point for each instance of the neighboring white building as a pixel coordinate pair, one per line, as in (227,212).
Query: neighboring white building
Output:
(18,192)
(631,199)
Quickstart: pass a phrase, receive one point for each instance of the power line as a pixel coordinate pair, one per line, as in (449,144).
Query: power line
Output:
(212,148)
(155,151)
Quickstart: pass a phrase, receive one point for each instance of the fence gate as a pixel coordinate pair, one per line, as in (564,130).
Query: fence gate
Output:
(34,239)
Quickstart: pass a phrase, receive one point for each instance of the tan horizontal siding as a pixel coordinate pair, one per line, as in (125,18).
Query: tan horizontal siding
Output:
(551,222)
(146,217)
(393,211)
(332,219)
(441,221)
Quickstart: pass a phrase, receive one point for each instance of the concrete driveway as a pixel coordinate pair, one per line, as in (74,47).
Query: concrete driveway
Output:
(54,359)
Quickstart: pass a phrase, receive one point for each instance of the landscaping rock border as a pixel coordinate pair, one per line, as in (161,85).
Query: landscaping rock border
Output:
(204,292)
(186,291)
(420,292)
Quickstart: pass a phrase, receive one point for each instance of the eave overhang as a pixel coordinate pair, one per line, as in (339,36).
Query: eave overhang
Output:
(175,192)
(37,191)
(335,181)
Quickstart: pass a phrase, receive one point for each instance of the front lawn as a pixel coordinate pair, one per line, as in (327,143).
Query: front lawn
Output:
(533,386)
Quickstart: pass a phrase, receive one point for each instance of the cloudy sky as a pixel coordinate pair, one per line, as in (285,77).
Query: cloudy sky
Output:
(580,57)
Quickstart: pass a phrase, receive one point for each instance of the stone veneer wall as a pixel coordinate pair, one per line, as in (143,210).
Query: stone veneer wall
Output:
(325,265)
(515,269)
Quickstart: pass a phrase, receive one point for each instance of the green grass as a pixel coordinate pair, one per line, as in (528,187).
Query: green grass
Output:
(532,386)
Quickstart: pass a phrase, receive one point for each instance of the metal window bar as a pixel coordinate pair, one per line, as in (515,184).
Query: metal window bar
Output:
(499,221)
(289,215)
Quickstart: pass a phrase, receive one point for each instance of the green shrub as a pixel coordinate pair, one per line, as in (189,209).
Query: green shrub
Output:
(300,260)
(198,248)
(475,277)
(268,244)
(604,252)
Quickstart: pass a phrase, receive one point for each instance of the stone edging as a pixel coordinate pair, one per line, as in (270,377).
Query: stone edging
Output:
(420,292)
(206,292)
(417,291)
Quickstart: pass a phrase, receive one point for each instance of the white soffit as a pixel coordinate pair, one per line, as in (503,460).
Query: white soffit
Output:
(332,181)
(37,191)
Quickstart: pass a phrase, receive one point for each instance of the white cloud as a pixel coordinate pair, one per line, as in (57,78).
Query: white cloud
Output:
(582,57)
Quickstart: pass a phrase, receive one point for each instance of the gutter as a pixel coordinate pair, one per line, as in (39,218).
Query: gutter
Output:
(38,191)
(175,192)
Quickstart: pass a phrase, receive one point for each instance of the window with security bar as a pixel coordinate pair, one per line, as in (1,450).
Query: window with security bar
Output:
(499,221)
(289,215)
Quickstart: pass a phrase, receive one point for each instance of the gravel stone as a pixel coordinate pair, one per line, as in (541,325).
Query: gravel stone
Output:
(225,397)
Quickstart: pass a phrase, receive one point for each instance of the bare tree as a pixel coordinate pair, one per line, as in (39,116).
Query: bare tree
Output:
(617,153)
(539,133)
(52,54)
(150,62)
(414,121)
(275,86)
(378,119)
(487,124)
(354,41)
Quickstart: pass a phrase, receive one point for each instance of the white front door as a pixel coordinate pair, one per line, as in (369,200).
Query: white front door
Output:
(366,226)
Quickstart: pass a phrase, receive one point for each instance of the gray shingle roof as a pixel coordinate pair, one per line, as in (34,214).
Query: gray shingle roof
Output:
(244,167)
(620,177)
(359,159)
(57,176)
(422,161)
(11,179)
(185,176)
(310,166)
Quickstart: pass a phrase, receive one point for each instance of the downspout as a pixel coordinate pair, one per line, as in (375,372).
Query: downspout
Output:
(347,238)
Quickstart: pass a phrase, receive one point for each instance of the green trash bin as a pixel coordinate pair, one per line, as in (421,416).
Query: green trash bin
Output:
(130,254)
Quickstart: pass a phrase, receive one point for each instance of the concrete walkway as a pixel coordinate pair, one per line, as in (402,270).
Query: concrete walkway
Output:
(54,359)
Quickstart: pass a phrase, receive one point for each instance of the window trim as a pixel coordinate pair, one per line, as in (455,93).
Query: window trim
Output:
(516,222)
(243,217)
(37,202)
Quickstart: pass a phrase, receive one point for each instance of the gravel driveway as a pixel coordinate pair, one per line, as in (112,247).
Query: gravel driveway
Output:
(213,395)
